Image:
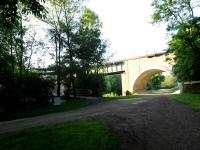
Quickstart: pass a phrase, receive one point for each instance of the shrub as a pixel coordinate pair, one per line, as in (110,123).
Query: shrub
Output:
(111,94)
(128,93)
(155,82)
(94,82)
(169,82)
(28,91)
(113,84)
(37,89)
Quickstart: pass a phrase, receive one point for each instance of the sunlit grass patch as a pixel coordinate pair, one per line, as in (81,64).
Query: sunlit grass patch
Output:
(111,94)
(122,97)
(193,100)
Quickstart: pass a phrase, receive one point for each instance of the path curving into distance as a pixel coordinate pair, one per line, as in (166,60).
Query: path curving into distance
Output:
(148,123)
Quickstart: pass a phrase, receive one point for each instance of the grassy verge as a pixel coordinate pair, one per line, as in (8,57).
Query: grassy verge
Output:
(82,135)
(121,97)
(193,100)
(66,106)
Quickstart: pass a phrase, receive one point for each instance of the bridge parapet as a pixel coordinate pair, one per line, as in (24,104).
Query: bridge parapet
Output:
(114,68)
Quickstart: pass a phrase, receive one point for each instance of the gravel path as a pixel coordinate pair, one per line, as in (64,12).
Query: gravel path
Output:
(149,123)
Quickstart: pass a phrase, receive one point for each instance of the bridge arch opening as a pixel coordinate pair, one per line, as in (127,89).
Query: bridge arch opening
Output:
(141,82)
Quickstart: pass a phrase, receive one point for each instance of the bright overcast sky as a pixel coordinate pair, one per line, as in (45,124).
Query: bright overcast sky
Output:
(127,27)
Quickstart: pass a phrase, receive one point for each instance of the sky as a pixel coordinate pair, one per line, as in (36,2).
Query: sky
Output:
(127,27)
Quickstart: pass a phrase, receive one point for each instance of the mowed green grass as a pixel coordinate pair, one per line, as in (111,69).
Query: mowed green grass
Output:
(81,135)
(193,100)
(122,97)
(66,106)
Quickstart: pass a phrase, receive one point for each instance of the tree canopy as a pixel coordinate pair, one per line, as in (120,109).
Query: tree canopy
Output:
(186,47)
(74,34)
(183,21)
(173,12)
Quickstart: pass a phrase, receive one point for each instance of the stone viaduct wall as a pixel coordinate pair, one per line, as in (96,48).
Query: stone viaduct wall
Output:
(137,71)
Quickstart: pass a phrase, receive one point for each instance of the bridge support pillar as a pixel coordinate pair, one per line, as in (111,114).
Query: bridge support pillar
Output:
(124,84)
(127,82)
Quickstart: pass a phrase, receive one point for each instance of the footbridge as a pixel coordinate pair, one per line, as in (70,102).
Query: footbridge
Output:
(136,72)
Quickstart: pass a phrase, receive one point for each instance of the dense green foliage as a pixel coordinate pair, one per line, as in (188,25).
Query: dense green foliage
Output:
(113,84)
(78,45)
(88,135)
(183,22)
(25,92)
(169,82)
(41,110)
(186,47)
(79,51)
(173,12)
(91,46)
(90,53)
(9,11)
(193,100)
(20,87)
(93,82)
(155,82)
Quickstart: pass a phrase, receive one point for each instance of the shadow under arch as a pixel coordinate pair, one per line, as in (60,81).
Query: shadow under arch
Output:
(141,82)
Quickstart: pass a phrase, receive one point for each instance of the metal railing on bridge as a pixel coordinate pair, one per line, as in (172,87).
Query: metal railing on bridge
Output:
(113,68)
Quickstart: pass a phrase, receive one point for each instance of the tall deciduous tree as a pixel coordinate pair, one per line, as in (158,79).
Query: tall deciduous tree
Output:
(11,27)
(15,93)
(54,18)
(173,12)
(186,47)
(90,52)
(72,10)
(182,19)
(64,26)
(91,47)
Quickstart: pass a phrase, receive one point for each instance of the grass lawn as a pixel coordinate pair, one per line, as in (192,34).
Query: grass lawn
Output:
(66,106)
(193,100)
(81,135)
(121,97)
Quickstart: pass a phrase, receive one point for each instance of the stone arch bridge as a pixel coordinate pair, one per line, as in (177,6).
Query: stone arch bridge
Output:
(136,72)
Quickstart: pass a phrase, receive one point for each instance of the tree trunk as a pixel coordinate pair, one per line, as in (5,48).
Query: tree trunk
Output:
(21,51)
(12,58)
(71,71)
(57,69)
(59,49)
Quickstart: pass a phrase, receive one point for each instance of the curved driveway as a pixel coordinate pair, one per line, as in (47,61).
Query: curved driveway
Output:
(149,123)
